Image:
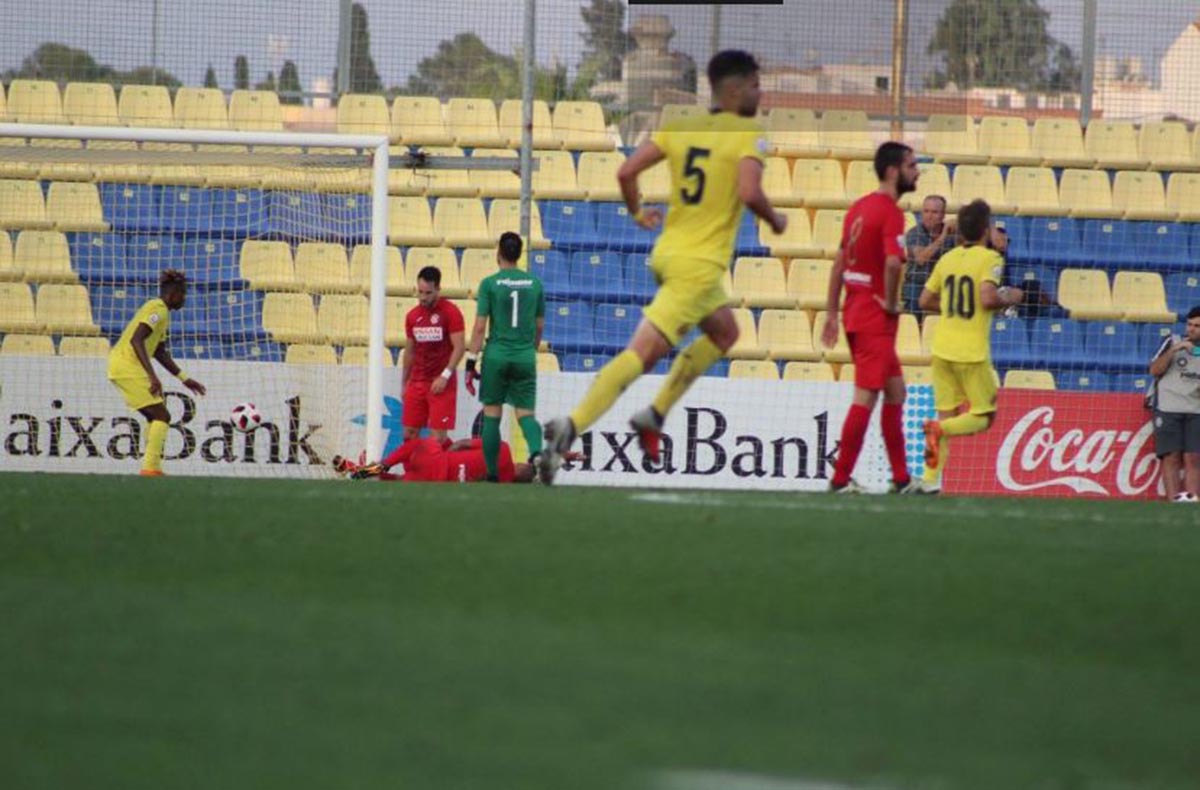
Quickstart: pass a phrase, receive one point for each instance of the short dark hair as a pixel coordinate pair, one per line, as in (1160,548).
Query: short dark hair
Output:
(510,246)
(1194,313)
(890,154)
(730,63)
(431,274)
(933,197)
(171,279)
(974,220)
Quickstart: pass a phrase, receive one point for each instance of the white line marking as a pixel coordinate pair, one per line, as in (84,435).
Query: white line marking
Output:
(727,780)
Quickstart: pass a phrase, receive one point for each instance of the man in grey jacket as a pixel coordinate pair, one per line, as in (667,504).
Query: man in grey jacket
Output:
(1176,366)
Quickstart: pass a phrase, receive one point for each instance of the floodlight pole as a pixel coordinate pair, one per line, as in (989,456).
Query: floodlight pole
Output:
(899,63)
(527,122)
(1088,76)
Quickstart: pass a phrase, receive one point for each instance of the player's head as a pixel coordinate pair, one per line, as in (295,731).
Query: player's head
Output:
(998,239)
(429,286)
(523,473)
(975,222)
(508,252)
(1193,325)
(733,75)
(896,165)
(933,212)
(172,288)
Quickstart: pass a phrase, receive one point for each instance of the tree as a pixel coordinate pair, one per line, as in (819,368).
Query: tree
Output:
(1000,43)
(363,76)
(58,62)
(605,39)
(241,73)
(465,66)
(145,75)
(289,82)
(210,77)
(268,84)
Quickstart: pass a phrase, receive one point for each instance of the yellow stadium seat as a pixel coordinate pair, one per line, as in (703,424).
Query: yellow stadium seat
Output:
(928,330)
(554,178)
(777,182)
(64,169)
(397,309)
(3,105)
(17,313)
(1033,191)
(410,223)
(44,257)
(1059,143)
(360,270)
(676,112)
(579,126)
(476,264)
(290,318)
(35,101)
(145,105)
(441,182)
(496,183)
(795,241)
(75,206)
(1086,193)
(96,347)
(201,108)
(808,282)
(461,222)
(1183,196)
(861,180)
(342,319)
(1114,145)
(1142,297)
(1005,140)
(358,355)
(442,259)
(818,183)
(18,161)
(359,113)
(1139,194)
(473,123)
(918,374)
(547,363)
(27,345)
(64,309)
(827,231)
(727,286)
(511,125)
(846,134)
(417,120)
(267,265)
(841,350)
(761,369)
(934,180)
(22,206)
(468,309)
(1086,294)
(908,342)
(846,373)
(980,181)
(8,269)
(787,334)
(90,104)
(1029,380)
(255,111)
(759,282)
(322,267)
(808,371)
(747,346)
(310,354)
(794,132)
(598,174)
(1165,145)
(953,138)
(655,183)
(505,215)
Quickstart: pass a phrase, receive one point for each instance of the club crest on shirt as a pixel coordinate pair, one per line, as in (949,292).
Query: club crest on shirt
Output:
(154,318)
(433,319)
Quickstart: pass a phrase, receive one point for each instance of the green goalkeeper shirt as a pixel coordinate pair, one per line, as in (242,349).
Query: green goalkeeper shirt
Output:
(513,301)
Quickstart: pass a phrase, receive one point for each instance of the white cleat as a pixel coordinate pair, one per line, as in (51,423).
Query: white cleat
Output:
(1184,496)
(851,487)
(559,434)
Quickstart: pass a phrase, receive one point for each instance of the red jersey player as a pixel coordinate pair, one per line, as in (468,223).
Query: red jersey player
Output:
(868,265)
(431,461)
(436,342)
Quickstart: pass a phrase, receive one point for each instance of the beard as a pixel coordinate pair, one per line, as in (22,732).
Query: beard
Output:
(904,186)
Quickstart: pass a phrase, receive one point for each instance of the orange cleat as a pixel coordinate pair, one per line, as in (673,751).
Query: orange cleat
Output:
(151,473)
(933,442)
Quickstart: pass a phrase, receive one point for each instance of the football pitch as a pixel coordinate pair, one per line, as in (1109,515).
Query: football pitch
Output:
(205,633)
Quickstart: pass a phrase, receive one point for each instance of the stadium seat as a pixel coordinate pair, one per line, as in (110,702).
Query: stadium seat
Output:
(342,319)
(255,111)
(495,183)
(796,241)
(1055,240)
(953,138)
(637,282)
(1152,337)
(35,101)
(1029,380)
(440,258)
(360,270)
(928,332)
(1142,297)
(595,275)
(934,180)
(677,112)
(75,206)
(655,184)
(322,267)
(845,373)
(827,231)
(19,163)
(846,134)
(918,375)
(570,326)
(570,225)
(1165,145)
(547,363)
(1130,382)
(1087,193)
(290,318)
(267,266)
(231,315)
(1110,345)
(410,223)
(1140,195)
(759,282)
(808,371)
(598,174)
(94,347)
(840,351)
(511,124)
(396,311)
(777,182)
(1018,236)
(299,215)
(1053,340)
(8,271)
(1086,295)
(555,178)
(861,179)
(473,123)
(201,108)
(1005,141)
(310,354)
(145,105)
(618,232)
(1114,145)
(43,256)
(747,346)
(435,182)
(17,312)
(1033,190)
(980,181)
(794,132)
(417,120)
(1010,342)
(22,205)
(64,309)
(27,345)
(580,126)
(787,334)
(358,356)
(210,261)
(1183,291)
(1160,245)
(505,215)
(818,183)
(1059,143)
(1082,381)
(1183,197)
(808,282)
(90,104)
(760,369)
(359,113)
(346,217)
(476,264)
(553,268)
(583,363)
(615,325)
(468,309)
(908,342)
(97,256)
(1108,243)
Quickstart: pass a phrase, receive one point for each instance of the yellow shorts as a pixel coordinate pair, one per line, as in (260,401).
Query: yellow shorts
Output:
(689,291)
(136,392)
(955,383)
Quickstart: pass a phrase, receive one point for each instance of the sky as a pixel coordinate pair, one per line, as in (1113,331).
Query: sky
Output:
(194,33)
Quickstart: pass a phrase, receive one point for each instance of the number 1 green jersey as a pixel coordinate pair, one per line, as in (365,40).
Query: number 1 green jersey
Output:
(513,300)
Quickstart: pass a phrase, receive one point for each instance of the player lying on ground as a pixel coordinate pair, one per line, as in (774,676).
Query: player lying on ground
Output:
(716,165)
(965,289)
(130,371)
(430,461)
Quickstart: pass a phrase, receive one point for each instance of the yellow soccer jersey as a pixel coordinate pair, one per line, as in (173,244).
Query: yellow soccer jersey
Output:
(703,153)
(122,361)
(964,334)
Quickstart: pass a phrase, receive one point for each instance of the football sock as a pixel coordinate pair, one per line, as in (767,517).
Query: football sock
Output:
(964,425)
(892,423)
(853,432)
(690,365)
(610,382)
(491,444)
(156,437)
(533,433)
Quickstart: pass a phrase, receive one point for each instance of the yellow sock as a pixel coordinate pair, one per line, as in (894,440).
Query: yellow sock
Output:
(934,473)
(156,437)
(964,424)
(688,366)
(610,382)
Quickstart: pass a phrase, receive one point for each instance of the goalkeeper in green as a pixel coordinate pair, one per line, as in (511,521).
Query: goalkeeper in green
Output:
(512,309)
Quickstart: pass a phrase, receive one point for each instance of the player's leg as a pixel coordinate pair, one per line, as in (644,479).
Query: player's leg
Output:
(416,409)
(1168,446)
(973,383)
(156,438)
(521,394)
(443,412)
(490,438)
(869,380)
(1191,455)
(891,423)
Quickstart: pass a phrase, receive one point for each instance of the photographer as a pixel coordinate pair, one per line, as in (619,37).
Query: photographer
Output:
(1176,397)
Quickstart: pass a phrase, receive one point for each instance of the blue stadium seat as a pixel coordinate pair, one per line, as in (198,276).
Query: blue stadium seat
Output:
(1112,346)
(234,212)
(147,255)
(719,369)
(1129,382)
(1183,291)
(1108,244)
(230,315)
(1019,275)
(554,269)
(207,346)
(595,275)
(583,363)
(1055,240)
(747,242)
(114,305)
(1010,342)
(1151,337)
(1085,381)
(348,217)
(96,257)
(618,232)
(638,283)
(1194,242)
(211,261)
(179,207)
(570,225)
(570,326)
(296,214)
(615,324)
(1160,245)
(130,206)
(1055,342)
(1018,238)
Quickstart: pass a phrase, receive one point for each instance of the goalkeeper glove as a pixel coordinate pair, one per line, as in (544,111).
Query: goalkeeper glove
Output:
(472,374)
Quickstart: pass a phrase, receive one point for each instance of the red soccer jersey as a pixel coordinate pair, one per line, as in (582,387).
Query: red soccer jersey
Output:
(426,461)
(429,333)
(872,231)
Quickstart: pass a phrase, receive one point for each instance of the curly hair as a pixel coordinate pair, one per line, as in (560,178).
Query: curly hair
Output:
(171,278)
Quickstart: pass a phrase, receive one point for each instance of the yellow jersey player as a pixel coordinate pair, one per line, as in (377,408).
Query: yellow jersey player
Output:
(716,164)
(964,287)
(130,371)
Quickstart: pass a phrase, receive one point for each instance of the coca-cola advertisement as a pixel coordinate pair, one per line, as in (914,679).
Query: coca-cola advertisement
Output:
(1059,444)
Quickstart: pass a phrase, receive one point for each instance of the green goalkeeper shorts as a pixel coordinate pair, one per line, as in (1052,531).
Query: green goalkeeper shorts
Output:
(509,377)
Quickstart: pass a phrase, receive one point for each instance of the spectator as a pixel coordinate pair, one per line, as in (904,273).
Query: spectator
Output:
(1176,396)
(1037,303)
(924,244)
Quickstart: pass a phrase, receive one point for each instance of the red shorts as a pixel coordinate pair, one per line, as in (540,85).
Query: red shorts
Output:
(875,359)
(424,409)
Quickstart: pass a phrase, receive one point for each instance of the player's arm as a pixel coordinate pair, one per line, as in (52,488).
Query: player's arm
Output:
(998,297)
(406,359)
(458,346)
(164,358)
(540,323)
(893,267)
(646,156)
(750,192)
(1166,352)
(477,334)
(829,333)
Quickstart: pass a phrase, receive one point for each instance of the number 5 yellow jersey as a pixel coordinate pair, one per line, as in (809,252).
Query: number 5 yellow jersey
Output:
(703,153)
(964,333)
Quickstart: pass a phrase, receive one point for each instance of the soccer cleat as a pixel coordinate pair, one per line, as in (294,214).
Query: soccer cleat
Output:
(924,487)
(648,425)
(913,486)
(933,443)
(368,471)
(151,473)
(559,434)
(851,486)
(1184,496)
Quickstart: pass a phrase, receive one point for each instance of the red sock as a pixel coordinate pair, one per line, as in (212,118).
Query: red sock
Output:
(853,432)
(892,422)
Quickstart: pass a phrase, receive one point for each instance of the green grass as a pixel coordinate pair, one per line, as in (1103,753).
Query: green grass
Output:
(188,633)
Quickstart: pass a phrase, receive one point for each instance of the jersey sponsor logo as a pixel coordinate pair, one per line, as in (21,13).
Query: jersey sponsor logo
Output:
(857,278)
(515,283)
(428,334)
